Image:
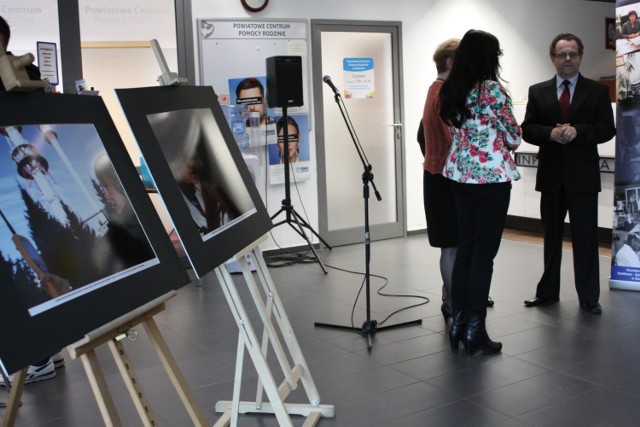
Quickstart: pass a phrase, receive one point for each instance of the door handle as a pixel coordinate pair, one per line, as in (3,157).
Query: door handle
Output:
(397,128)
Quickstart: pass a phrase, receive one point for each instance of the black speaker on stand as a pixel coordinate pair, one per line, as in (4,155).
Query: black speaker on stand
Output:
(284,90)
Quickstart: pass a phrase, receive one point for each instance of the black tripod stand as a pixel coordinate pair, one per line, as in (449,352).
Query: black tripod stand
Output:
(292,217)
(370,326)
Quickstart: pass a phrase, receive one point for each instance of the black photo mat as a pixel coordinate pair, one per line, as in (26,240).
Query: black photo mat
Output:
(80,241)
(216,210)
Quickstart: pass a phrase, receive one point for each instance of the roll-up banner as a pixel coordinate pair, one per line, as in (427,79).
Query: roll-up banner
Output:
(625,262)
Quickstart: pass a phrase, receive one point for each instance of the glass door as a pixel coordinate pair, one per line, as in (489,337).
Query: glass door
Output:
(363,61)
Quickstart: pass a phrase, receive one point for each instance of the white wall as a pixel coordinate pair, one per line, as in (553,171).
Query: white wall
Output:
(25,15)
(525,29)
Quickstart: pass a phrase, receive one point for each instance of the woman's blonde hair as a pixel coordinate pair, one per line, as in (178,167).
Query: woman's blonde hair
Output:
(445,50)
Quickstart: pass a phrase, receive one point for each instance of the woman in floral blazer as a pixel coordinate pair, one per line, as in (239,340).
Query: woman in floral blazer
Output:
(480,165)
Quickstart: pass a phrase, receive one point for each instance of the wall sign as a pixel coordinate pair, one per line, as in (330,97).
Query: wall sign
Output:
(48,62)
(359,78)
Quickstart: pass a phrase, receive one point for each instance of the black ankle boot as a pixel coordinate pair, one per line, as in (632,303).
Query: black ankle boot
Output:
(446,312)
(458,327)
(477,338)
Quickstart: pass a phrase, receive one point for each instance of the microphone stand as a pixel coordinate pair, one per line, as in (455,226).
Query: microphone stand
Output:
(370,326)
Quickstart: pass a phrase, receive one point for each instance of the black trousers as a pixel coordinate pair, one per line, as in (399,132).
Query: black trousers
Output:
(482,211)
(583,217)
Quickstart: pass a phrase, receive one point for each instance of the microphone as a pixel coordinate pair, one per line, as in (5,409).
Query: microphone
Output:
(327,80)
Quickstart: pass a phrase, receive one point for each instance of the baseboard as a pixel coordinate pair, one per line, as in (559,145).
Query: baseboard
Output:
(534,225)
(290,249)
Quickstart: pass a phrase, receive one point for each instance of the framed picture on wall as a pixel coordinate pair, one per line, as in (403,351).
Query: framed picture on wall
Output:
(198,170)
(80,241)
(610,33)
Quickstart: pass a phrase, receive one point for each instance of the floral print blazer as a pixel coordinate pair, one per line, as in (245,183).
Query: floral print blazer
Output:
(481,149)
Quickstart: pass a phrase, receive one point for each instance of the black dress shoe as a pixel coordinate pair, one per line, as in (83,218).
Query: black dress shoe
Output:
(535,301)
(591,307)
(490,302)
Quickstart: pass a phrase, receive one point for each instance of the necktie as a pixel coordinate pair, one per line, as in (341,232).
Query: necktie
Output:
(565,101)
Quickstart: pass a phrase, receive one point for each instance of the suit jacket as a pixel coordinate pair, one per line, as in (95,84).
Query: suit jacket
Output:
(573,167)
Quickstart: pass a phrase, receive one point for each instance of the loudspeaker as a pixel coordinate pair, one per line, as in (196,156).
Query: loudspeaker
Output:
(284,81)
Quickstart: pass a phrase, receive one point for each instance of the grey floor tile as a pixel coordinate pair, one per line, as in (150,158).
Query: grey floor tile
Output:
(599,407)
(533,393)
(563,355)
(438,365)
(618,370)
(384,407)
(461,413)
(366,383)
(502,370)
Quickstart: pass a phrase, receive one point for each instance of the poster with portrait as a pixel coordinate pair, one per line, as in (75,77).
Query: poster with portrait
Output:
(198,170)
(625,250)
(80,242)
(627,45)
(252,124)
(298,147)
(248,95)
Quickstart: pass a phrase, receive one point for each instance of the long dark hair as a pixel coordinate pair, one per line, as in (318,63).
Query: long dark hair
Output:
(476,60)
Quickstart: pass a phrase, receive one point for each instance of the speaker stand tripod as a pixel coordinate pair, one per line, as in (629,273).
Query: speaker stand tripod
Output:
(370,326)
(293,218)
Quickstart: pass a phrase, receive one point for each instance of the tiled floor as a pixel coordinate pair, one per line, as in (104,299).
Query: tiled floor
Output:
(559,366)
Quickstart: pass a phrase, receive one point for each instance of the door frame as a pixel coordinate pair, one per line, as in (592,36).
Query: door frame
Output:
(377,231)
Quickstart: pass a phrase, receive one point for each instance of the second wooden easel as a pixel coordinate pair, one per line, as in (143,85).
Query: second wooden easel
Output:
(269,306)
(112,334)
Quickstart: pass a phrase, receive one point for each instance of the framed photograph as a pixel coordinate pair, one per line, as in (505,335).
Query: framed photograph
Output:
(610,33)
(80,241)
(81,85)
(198,170)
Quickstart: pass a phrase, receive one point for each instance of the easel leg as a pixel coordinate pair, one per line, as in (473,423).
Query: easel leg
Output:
(253,346)
(100,389)
(269,330)
(15,393)
(133,383)
(177,379)
(264,349)
(237,382)
(230,416)
(285,326)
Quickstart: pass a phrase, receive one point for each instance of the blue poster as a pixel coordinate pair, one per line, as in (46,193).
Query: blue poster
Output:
(359,79)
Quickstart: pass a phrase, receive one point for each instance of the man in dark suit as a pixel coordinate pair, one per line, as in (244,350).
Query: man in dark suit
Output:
(566,118)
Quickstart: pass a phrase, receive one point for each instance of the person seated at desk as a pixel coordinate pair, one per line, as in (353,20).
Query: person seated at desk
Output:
(631,28)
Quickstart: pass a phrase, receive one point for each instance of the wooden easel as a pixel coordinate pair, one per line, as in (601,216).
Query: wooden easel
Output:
(269,306)
(112,334)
